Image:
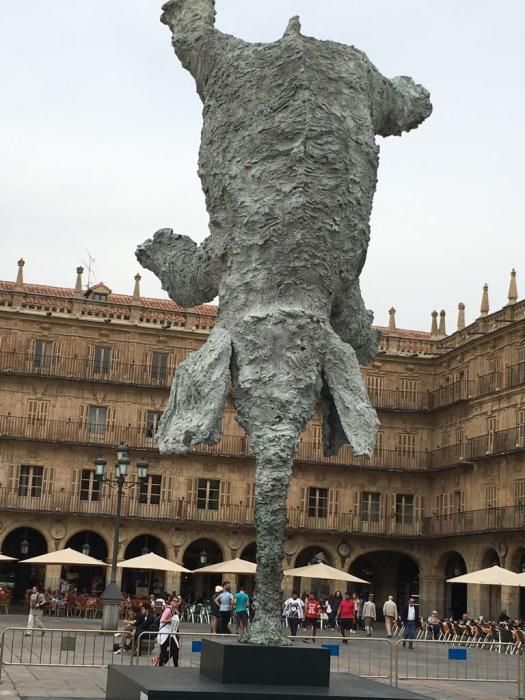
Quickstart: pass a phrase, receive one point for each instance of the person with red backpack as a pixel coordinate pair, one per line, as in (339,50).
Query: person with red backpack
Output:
(312,610)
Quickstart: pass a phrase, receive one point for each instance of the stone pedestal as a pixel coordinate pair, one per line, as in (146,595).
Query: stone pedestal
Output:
(231,662)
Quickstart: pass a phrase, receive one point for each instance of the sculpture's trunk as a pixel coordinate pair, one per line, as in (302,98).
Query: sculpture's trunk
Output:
(273,471)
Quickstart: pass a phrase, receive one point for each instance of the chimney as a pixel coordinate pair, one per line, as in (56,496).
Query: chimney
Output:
(20,273)
(513,288)
(442,329)
(136,288)
(484,309)
(461,316)
(392,319)
(78,283)
(434,327)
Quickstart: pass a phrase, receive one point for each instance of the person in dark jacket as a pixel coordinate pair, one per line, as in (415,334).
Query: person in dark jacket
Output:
(411,620)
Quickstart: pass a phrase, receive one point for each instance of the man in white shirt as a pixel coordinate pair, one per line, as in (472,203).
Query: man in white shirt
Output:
(390,614)
(411,620)
(293,611)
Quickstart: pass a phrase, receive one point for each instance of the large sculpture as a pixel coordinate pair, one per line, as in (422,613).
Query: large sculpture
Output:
(288,164)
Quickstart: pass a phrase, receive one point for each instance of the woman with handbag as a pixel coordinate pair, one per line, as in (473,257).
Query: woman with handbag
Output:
(167,636)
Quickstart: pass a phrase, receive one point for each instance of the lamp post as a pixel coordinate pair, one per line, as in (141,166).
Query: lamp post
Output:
(112,596)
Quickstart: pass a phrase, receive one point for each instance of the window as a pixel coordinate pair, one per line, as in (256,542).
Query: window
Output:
(208,494)
(519,492)
(404,509)
(317,502)
(374,386)
(370,501)
(379,446)
(492,424)
(43,354)
(407,444)
(101,360)
(37,412)
(316,432)
(99,296)
(159,366)
(521,428)
(493,363)
(96,419)
(409,387)
(30,481)
(459,436)
(152,423)
(490,496)
(149,490)
(89,485)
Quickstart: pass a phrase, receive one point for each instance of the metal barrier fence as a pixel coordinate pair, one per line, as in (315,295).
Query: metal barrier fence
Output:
(474,661)
(378,658)
(60,647)
(367,657)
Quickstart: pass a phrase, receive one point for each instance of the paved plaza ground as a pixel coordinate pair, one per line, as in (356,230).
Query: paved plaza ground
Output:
(362,655)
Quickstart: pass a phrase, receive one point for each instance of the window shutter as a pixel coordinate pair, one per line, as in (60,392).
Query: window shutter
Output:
(76,482)
(114,360)
(224,493)
(333,501)
(461,501)
(166,488)
(47,480)
(171,366)
(250,494)
(418,504)
(302,499)
(191,491)
(392,498)
(111,417)
(436,504)
(14,477)
(357,509)
(83,413)
(147,373)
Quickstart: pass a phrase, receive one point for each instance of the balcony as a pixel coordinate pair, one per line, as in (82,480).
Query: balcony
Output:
(81,433)
(180,510)
(81,370)
(484,520)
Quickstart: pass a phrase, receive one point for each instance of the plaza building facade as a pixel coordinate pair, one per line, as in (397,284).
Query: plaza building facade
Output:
(82,370)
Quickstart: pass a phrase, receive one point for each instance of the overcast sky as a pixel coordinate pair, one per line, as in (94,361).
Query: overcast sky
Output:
(100,129)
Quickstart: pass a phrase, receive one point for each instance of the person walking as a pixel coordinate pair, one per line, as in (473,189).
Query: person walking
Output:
(214,611)
(293,611)
(411,620)
(37,602)
(225,602)
(241,602)
(390,614)
(335,602)
(369,614)
(357,603)
(167,636)
(311,615)
(345,616)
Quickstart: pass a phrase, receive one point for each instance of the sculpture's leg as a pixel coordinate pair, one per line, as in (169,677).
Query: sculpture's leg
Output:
(273,471)
(189,273)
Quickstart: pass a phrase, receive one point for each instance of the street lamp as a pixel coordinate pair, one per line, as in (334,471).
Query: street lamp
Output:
(203,557)
(112,596)
(24,545)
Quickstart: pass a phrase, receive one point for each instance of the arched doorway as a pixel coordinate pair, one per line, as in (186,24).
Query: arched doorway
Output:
(308,556)
(249,553)
(200,587)
(490,596)
(87,579)
(23,543)
(455,602)
(517,564)
(389,573)
(138,581)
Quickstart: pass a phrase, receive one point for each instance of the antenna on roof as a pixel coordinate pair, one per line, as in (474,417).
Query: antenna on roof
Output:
(90,267)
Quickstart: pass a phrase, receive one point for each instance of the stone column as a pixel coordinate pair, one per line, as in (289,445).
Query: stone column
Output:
(477,600)
(431,594)
(510,600)
(172,582)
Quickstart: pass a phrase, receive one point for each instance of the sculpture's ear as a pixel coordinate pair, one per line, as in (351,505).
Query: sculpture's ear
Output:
(346,406)
(198,397)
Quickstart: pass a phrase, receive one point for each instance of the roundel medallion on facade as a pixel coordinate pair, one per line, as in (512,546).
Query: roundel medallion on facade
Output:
(343,549)
(290,547)
(57,531)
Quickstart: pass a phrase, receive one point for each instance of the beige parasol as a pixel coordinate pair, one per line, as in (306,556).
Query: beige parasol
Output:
(492,576)
(65,557)
(152,562)
(323,571)
(232,566)
(4,557)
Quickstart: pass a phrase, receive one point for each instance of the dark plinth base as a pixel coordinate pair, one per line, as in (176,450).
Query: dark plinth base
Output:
(230,662)
(150,683)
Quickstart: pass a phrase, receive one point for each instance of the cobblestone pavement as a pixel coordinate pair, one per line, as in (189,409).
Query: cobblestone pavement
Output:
(365,656)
